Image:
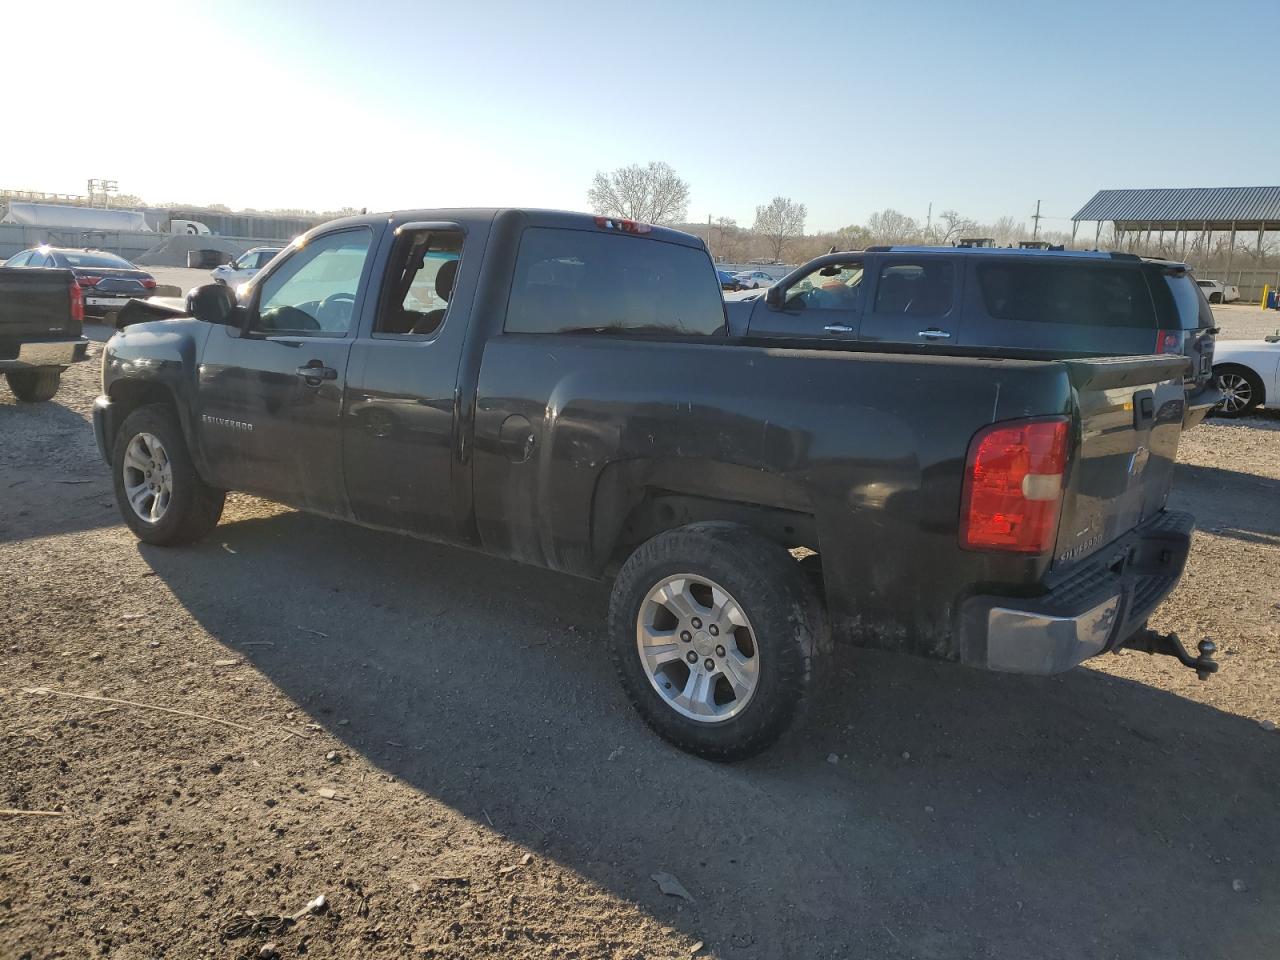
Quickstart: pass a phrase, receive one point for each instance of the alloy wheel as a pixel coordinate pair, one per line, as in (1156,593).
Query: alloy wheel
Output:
(698,648)
(1237,392)
(148,477)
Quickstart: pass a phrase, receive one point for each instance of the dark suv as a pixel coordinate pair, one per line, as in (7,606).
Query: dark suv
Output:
(1070,303)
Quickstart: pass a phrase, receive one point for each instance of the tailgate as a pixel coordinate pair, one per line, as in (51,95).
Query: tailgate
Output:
(35,305)
(1130,411)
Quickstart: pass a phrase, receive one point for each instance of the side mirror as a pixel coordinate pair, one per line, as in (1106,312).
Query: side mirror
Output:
(773,296)
(213,303)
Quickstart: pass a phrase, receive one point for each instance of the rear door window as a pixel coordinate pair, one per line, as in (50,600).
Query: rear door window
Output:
(921,290)
(1080,294)
(915,300)
(420,283)
(577,281)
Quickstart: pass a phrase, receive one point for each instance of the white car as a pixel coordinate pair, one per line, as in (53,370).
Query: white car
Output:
(1248,374)
(243,267)
(754,279)
(1218,292)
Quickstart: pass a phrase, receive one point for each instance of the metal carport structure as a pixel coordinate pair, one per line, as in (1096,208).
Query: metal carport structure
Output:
(1203,210)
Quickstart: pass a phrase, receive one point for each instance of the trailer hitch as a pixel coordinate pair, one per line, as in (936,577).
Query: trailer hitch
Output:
(1168,644)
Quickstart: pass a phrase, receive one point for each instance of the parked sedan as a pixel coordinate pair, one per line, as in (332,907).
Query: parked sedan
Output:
(108,281)
(728,281)
(1219,292)
(1248,374)
(754,279)
(245,266)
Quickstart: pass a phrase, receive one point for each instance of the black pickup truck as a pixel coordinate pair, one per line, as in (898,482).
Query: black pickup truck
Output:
(41,316)
(563,390)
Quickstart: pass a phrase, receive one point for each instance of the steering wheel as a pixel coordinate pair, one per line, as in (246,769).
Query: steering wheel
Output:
(340,306)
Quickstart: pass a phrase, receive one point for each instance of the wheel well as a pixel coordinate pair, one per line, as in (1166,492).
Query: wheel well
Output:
(1221,368)
(128,395)
(660,510)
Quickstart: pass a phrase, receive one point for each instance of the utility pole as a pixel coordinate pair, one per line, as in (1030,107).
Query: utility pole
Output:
(928,218)
(1035,231)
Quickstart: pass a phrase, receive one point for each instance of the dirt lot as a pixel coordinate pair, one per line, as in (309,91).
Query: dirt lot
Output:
(434,741)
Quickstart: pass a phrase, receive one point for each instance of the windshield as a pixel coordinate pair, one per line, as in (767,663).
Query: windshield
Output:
(95,260)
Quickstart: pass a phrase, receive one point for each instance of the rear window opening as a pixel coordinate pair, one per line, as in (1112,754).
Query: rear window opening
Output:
(575,281)
(1189,301)
(1082,294)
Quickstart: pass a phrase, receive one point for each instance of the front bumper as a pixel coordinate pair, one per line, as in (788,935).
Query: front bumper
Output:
(103,426)
(1096,607)
(44,353)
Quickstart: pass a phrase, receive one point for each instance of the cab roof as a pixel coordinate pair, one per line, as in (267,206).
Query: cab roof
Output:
(534,217)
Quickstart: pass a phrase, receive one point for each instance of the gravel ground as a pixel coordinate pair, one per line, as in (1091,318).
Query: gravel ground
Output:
(434,741)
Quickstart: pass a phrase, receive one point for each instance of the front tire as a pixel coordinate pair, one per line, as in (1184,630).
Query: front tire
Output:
(161,496)
(34,386)
(1241,390)
(716,635)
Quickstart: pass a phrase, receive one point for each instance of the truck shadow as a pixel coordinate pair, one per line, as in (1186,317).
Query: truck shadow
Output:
(965,814)
(51,478)
(1228,503)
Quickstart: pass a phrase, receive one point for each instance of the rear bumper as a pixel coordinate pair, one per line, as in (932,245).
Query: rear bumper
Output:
(1199,403)
(1097,607)
(44,353)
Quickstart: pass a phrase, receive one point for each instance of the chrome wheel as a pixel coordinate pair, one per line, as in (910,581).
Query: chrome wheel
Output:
(1237,392)
(148,477)
(698,648)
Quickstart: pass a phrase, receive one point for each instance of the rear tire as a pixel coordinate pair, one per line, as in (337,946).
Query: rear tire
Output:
(1241,388)
(161,496)
(1215,298)
(34,386)
(756,636)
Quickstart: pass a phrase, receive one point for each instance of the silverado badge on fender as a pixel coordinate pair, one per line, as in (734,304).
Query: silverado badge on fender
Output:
(224,422)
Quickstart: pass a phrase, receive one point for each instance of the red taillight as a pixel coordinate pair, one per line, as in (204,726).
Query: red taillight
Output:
(148,283)
(1168,341)
(1013,486)
(626,226)
(77,302)
(88,281)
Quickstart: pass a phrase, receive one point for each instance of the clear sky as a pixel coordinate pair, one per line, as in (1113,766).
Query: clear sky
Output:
(849,107)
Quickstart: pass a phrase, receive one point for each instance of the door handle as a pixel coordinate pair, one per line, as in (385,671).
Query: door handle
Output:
(933,333)
(838,328)
(313,371)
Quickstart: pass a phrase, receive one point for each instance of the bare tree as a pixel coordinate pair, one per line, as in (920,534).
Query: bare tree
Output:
(653,194)
(779,222)
(1007,231)
(890,227)
(725,238)
(951,227)
(852,237)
